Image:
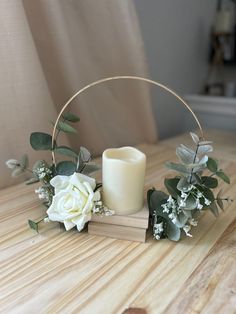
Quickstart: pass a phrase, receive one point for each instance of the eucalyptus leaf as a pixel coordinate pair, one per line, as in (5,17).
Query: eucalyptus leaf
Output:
(65,127)
(171,186)
(24,162)
(66,168)
(197,167)
(205,143)
(184,155)
(84,154)
(208,194)
(90,168)
(32,180)
(188,213)
(223,176)
(212,165)
(192,152)
(183,184)
(66,151)
(210,182)
(172,231)
(204,160)
(220,203)
(149,194)
(191,203)
(214,209)
(156,199)
(17,172)
(181,220)
(195,137)
(196,178)
(70,117)
(204,149)
(219,194)
(33,225)
(41,141)
(178,167)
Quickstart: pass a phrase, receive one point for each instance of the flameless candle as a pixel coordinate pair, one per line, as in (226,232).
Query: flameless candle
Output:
(123,179)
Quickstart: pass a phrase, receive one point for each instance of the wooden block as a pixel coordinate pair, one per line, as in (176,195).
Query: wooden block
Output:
(117,232)
(137,220)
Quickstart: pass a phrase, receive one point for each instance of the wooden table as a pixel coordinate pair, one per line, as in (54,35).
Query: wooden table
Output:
(69,272)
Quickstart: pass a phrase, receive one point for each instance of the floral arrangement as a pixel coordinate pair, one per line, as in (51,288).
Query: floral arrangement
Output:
(190,192)
(71,195)
(67,190)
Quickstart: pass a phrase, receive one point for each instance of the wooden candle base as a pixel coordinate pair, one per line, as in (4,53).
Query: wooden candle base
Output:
(128,227)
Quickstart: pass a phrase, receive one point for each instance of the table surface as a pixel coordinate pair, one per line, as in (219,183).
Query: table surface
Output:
(69,272)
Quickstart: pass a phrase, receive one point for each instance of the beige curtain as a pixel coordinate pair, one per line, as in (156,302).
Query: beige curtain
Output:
(49,50)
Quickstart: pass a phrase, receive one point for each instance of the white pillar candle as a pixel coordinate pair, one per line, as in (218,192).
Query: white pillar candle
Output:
(123,172)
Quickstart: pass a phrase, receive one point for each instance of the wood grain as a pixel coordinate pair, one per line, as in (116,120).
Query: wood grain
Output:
(70,272)
(117,231)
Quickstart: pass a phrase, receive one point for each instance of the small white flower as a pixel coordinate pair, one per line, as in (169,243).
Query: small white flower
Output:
(199,194)
(41,175)
(199,206)
(186,229)
(12,163)
(165,208)
(189,188)
(46,220)
(207,202)
(159,227)
(182,203)
(184,195)
(172,215)
(193,222)
(109,212)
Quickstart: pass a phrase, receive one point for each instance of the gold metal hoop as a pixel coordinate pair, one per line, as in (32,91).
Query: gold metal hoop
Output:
(128,77)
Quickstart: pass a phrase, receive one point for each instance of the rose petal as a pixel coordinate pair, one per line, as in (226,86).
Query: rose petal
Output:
(68,224)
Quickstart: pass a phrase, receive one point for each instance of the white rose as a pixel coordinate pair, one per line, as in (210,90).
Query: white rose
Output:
(73,201)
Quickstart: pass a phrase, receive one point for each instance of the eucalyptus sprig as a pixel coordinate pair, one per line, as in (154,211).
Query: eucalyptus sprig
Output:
(190,192)
(79,161)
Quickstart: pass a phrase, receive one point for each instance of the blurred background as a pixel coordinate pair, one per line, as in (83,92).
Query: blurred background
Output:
(50,49)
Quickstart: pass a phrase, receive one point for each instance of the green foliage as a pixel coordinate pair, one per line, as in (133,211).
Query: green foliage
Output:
(33,225)
(210,182)
(90,168)
(214,209)
(24,162)
(185,155)
(41,141)
(212,165)
(178,167)
(190,203)
(32,180)
(155,200)
(65,168)
(189,192)
(66,151)
(171,186)
(65,127)
(71,117)
(223,176)
(17,172)
(195,138)
(173,232)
